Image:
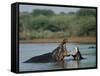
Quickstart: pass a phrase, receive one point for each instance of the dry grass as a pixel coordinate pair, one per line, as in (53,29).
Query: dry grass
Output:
(55,40)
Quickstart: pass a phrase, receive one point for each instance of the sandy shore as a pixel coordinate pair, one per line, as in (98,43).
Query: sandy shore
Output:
(58,40)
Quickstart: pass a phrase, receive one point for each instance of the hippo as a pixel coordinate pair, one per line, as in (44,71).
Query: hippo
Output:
(76,54)
(57,54)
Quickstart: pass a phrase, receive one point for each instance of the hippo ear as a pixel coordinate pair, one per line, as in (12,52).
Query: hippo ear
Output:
(64,41)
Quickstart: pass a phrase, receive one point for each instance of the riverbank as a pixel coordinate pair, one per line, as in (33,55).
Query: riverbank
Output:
(58,40)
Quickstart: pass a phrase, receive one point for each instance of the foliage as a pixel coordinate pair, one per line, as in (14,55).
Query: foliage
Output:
(48,24)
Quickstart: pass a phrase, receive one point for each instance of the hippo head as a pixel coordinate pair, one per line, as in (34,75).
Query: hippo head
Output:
(60,52)
(76,54)
(76,49)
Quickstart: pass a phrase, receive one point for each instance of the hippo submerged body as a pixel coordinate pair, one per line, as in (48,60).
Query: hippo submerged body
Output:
(41,58)
(58,54)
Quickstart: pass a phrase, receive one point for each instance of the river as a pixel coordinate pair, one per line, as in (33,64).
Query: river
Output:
(26,51)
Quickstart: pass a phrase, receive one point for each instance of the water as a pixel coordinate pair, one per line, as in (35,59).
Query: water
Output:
(26,51)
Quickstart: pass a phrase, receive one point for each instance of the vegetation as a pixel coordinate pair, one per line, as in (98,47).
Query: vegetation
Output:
(48,24)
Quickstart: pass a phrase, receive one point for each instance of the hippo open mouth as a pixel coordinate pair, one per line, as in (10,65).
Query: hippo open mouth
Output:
(57,54)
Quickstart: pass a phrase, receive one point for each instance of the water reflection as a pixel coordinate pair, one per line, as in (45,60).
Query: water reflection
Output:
(67,64)
(60,64)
